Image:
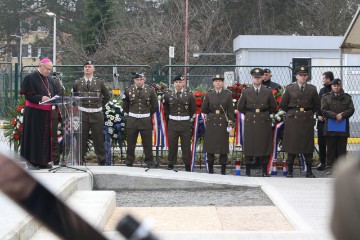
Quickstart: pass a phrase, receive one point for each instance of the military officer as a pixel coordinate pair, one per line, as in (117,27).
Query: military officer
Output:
(267,80)
(92,116)
(140,103)
(220,118)
(257,103)
(301,102)
(336,105)
(179,108)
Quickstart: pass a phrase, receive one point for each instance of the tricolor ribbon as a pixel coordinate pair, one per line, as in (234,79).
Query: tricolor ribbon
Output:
(239,132)
(195,139)
(275,143)
(107,146)
(303,163)
(160,130)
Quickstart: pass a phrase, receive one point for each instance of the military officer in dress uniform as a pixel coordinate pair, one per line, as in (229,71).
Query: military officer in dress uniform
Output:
(179,108)
(219,108)
(301,102)
(140,103)
(92,116)
(338,106)
(257,103)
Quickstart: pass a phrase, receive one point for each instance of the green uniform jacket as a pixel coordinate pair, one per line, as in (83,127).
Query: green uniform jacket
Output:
(300,108)
(257,130)
(140,103)
(216,138)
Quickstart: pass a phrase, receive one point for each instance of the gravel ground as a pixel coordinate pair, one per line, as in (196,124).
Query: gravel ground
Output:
(224,197)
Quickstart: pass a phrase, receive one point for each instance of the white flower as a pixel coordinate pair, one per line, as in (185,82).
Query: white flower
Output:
(159,97)
(107,107)
(112,118)
(22,111)
(122,129)
(114,101)
(278,118)
(123,124)
(234,100)
(111,131)
(272,115)
(58,132)
(21,119)
(115,135)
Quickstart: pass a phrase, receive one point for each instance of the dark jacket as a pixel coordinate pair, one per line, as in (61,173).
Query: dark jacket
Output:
(257,130)
(140,103)
(331,105)
(216,138)
(300,108)
(271,84)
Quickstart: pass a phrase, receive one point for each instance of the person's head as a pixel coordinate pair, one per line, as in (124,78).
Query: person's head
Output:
(89,68)
(327,78)
(336,85)
(178,82)
(257,76)
(45,67)
(267,74)
(301,73)
(218,81)
(139,79)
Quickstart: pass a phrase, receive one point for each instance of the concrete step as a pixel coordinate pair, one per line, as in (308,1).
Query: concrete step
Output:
(96,207)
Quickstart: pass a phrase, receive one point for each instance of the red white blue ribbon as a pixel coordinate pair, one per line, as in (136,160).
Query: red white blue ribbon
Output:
(303,163)
(107,146)
(273,156)
(239,132)
(160,130)
(195,139)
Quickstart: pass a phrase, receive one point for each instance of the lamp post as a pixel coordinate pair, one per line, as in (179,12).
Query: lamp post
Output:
(51,14)
(20,52)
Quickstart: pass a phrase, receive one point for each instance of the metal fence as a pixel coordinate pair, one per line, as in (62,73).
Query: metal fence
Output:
(119,77)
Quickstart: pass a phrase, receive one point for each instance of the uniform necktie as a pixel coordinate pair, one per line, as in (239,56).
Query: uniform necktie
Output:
(178,95)
(257,91)
(88,84)
(139,89)
(302,88)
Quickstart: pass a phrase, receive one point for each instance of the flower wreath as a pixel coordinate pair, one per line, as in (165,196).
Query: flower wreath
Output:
(115,119)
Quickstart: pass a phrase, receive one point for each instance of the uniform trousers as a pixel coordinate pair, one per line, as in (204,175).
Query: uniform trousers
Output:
(185,140)
(146,138)
(222,158)
(336,147)
(97,133)
(308,158)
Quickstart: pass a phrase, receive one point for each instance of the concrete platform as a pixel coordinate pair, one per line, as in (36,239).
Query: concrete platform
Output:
(305,204)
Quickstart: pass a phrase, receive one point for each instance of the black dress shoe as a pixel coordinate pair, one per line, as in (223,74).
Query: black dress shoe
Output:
(129,164)
(32,167)
(265,175)
(170,167)
(102,163)
(310,175)
(290,175)
(320,167)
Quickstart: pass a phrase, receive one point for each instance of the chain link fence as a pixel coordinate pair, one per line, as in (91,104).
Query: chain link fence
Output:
(119,77)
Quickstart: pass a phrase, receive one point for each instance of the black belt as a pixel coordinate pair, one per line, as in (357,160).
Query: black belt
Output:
(257,110)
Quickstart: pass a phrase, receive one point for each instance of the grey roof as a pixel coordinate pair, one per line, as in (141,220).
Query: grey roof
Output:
(287,42)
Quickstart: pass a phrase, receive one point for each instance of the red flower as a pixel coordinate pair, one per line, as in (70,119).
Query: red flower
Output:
(13,122)
(230,87)
(239,90)
(203,94)
(238,84)
(16,136)
(234,96)
(19,108)
(274,91)
(198,110)
(278,99)
(197,94)
(198,102)
(20,127)
(244,85)
(162,87)
(277,108)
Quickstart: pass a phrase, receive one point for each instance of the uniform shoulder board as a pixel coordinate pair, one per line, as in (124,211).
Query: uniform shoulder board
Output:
(266,86)
(210,90)
(188,91)
(291,84)
(348,95)
(325,94)
(228,90)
